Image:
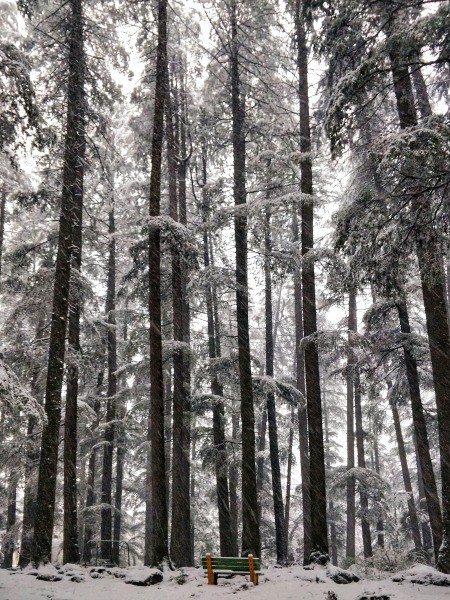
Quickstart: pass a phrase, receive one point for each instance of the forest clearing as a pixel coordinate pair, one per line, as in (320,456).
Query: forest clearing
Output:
(224,298)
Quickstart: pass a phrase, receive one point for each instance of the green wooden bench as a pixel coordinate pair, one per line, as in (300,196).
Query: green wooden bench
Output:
(230,565)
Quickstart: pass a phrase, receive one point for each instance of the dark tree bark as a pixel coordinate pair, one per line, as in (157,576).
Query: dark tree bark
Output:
(251,541)
(421,434)
(433,290)
(319,541)
(278,506)
(90,487)
(380,523)
(71,551)
(359,431)
(287,506)
(427,538)
(233,479)
(9,544)
(156,516)
(350,548)
(331,515)
(260,459)
(72,199)
(180,541)
(108,451)
(414,522)
(302,414)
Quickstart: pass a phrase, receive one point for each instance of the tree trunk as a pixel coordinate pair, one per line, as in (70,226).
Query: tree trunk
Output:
(233,478)
(90,493)
(72,200)
(2,224)
(71,551)
(9,541)
(302,414)
(107,467)
(289,484)
(421,434)
(427,538)
(278,506)
(380,523)
(414,522)
(331,516)
(251,542)
(156,516)
(433,290)
(180,542)
(350,548)
(319,541)
(364,502)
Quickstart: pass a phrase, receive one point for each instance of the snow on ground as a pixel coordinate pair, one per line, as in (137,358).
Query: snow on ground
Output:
(291,583)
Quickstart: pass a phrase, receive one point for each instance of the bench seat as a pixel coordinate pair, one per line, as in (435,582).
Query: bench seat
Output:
(231,565)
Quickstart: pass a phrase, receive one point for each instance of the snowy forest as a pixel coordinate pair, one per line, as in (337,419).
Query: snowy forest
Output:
(225,282)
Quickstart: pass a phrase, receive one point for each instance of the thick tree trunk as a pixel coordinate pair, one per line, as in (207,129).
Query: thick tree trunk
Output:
(108,448)
(71,551)
(319,541)
(350,548)
(72,199)
(156,516)
(427,538)
(302,414)
(180,542)
(251,542)
(421,434)
(278,506)
(433,290)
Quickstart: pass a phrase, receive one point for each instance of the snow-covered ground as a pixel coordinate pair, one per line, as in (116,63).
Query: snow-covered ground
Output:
(292,583)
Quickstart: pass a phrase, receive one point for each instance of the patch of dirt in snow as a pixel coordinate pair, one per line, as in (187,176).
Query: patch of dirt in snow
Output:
(291,583)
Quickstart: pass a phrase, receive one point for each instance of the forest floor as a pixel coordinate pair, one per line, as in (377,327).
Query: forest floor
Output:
(291,583)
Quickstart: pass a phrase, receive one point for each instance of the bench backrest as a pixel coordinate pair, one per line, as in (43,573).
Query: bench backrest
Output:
(231,563)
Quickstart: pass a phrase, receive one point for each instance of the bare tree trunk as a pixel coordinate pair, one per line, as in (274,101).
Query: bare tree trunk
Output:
(2,224)
(72,200)
(319,540)
(331,516)
(302,414)
(156,516)
(251,542)
(380,523)
(233,478)
(9,540)
(350,548)
(278,506)
(107,467)
(90,491)
(287,509)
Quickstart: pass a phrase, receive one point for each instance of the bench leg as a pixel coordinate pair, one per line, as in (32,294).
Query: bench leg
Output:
(215,578)
(256,579)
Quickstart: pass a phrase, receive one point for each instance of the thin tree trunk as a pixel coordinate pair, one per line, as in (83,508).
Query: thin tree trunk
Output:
(364,501)
(350,548)
(72,199)
(380,523)
(90,488)
(107,467)
(287,507)
(233,478)
(9,546)
(2,224)
(156,516)
(278,506)
(251,541)
(331,516)
(319,541)
(414,522)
